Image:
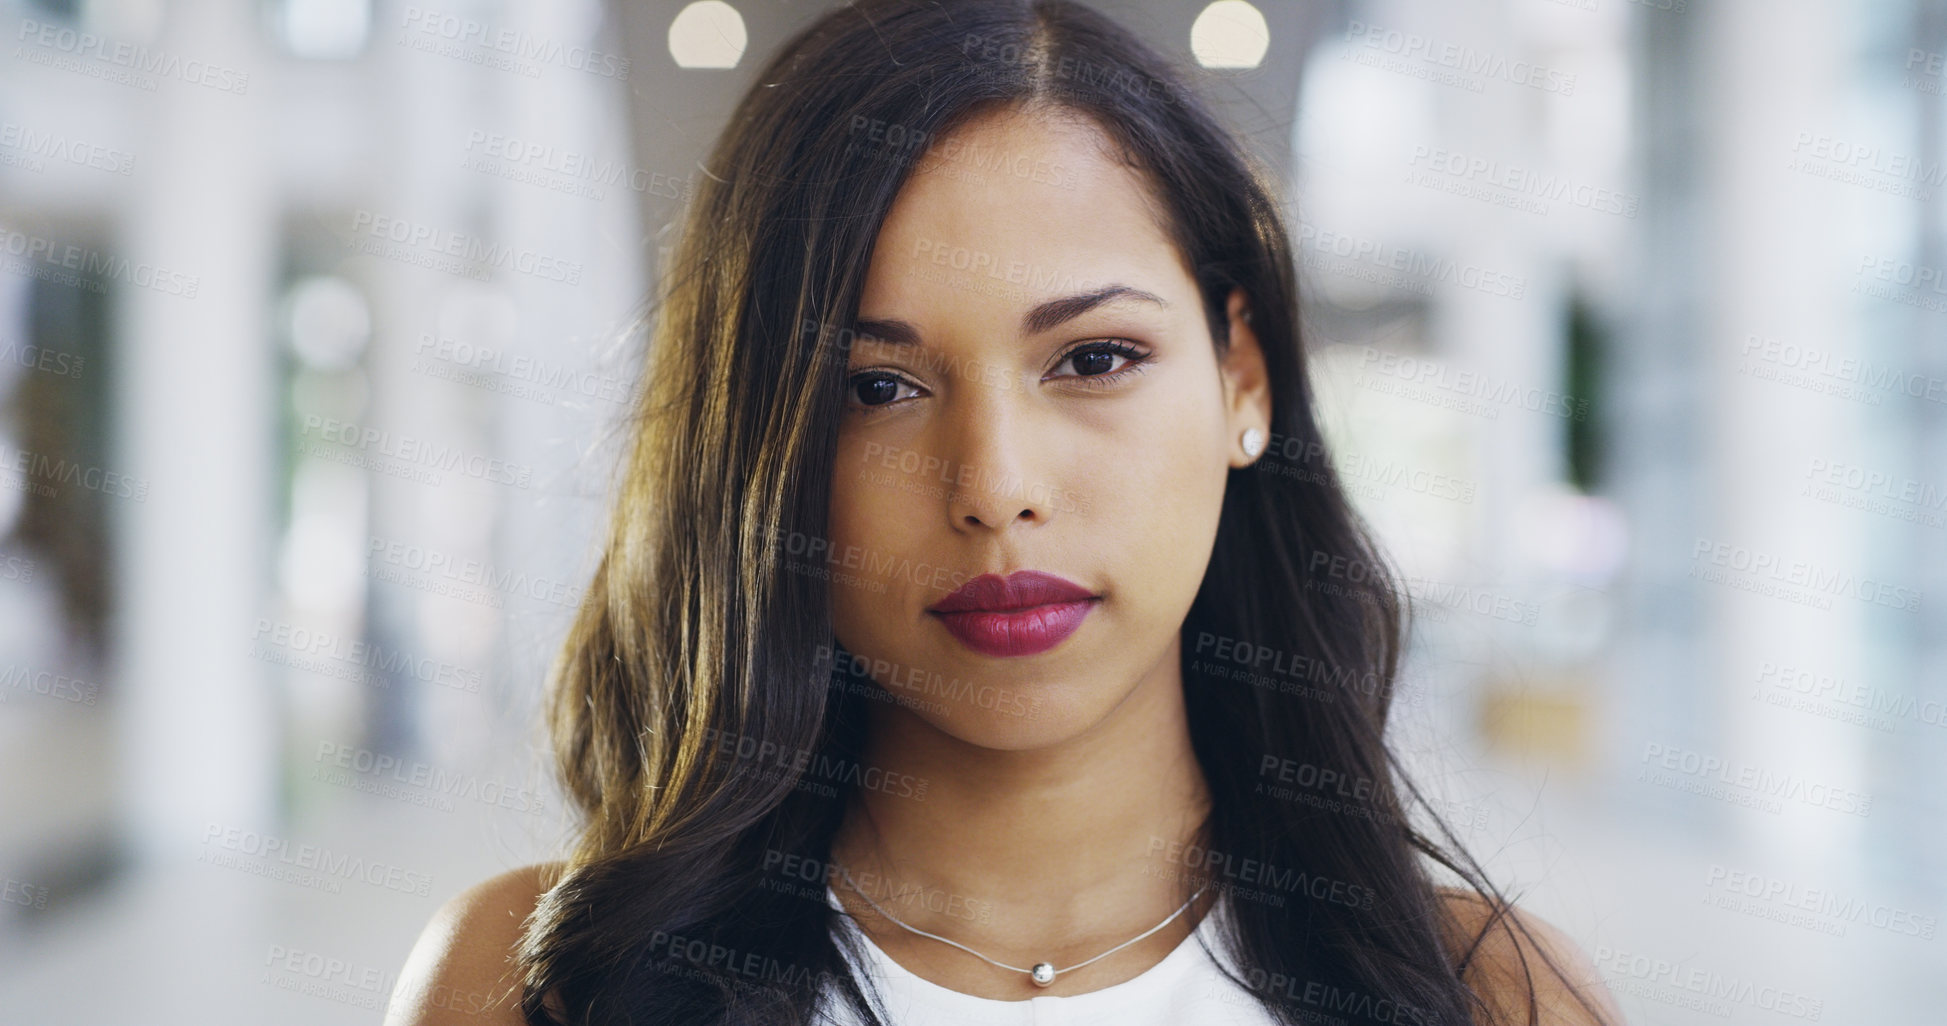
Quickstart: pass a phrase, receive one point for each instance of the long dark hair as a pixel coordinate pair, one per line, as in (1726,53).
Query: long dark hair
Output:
(703,643)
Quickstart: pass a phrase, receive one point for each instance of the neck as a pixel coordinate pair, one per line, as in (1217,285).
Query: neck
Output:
(1057,851)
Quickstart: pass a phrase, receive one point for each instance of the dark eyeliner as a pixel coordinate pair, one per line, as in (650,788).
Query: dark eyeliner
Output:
(853,380)
(1138,359)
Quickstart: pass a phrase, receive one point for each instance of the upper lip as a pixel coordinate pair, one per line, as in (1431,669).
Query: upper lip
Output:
(1022,589)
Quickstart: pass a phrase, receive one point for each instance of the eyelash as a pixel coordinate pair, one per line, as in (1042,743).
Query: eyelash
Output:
(1138,363)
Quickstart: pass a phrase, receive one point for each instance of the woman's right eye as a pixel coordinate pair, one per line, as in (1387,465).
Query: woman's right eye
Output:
(873,389)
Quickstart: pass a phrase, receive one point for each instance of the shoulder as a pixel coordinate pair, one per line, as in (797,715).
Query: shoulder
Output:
(461,970)
(1516,947)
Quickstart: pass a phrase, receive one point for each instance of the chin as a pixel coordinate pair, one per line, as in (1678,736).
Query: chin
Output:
(1011,718)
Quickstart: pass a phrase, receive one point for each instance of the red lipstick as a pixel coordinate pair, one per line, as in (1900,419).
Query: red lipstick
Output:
(1020,614)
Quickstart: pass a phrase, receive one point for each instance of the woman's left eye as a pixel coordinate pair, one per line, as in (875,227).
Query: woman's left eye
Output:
(1095,361)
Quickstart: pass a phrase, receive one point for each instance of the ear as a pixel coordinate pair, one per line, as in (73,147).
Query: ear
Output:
(1247,384)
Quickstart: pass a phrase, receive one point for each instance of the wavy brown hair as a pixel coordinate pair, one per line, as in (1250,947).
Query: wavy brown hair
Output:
(699,640)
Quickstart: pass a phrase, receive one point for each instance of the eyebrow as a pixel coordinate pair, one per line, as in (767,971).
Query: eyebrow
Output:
(1043,317)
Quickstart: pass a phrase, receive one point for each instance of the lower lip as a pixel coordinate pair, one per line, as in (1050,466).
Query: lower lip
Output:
(1017,632)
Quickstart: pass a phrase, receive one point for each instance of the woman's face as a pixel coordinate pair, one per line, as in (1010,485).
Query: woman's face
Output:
(1032,386)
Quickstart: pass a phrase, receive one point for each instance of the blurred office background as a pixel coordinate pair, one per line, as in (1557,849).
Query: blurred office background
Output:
(318,327)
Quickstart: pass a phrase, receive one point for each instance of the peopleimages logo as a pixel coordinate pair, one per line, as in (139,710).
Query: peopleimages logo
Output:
(43,257)
(1439,377)
(39,468)
(1826,371)
(1869,158)
(505,155)
(378,767)
(1794,580)
(504,371)
(25,895)
(312,862)
(113,60)
(1520,182)
(1821,901)
(398,238)
(1864,703)
(1691,985)
(441,572)
(358,653)
(1410,267)
(33,147)
(1459,59)
(1209,862)
(52,683)
(325,976)
(434,28)
(416,452)
(1743,784)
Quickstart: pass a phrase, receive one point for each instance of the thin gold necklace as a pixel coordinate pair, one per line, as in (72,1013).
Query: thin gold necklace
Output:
(1043,973)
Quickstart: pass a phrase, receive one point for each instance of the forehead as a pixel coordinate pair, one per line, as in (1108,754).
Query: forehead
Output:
(1011,209)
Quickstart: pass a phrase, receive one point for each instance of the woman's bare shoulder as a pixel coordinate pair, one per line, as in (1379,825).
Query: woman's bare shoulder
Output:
(461,970)
(1496,968)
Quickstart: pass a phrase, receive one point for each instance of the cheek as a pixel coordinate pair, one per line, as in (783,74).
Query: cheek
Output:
(860,499)
(867,516)
(1155,496)
(1158,458)
(849,489)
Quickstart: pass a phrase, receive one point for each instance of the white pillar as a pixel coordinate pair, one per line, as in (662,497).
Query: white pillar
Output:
(1780,258)
(196,420)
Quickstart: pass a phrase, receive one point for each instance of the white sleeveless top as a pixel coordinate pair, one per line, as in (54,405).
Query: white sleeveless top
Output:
(1185,987)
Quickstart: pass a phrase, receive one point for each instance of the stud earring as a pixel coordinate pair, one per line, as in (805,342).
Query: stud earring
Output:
(1253,442)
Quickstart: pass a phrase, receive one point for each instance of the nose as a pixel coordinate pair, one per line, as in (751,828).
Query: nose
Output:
(995,456)
(969,515)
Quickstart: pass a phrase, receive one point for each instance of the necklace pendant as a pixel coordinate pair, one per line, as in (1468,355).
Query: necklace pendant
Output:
(1043,974)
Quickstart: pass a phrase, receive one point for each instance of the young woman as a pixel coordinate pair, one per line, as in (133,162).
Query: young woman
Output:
(974,641)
